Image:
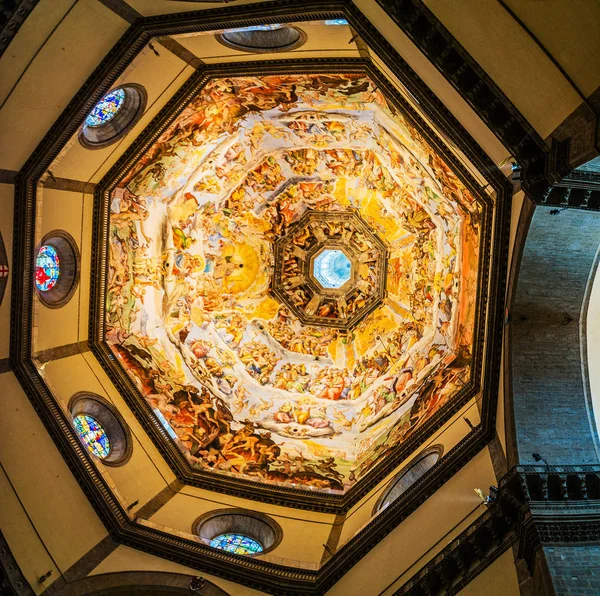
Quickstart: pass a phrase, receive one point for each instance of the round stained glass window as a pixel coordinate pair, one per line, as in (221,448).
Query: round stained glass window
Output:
(237,543)
(92,435)
(47,268)
(106,109)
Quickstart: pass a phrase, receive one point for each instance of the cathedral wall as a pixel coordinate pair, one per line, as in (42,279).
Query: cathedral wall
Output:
(499,579)
(549,384)
(403,552)
(42,490)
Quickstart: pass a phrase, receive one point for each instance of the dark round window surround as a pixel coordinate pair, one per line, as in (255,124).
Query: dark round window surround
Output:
(408,475)
(109,418)
(132,109)
(69,262)
(282,39)
(253,524)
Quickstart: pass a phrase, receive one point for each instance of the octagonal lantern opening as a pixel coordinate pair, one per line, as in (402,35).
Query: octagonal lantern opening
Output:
(332,268)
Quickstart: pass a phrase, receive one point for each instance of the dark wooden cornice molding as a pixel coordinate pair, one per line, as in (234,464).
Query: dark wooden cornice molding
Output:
(12,19)
(12,580)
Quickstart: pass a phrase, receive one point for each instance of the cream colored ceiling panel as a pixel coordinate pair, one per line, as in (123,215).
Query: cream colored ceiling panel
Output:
(115,397)
(453,432)
(507,53)
(499,579)
(53,327)
(57,507)
(151,112)
(76,47)
(157,74)
(223,500)
(323,41)
(302,543)
(32,34)
(433,79)
(570,31)
(20,534)
(139,478)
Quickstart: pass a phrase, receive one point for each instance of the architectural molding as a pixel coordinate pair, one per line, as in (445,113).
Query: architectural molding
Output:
(12,21)
(122,9)
(62,352)
(180,51)
(159,500)
(8,176)
(69,185)
(12,580)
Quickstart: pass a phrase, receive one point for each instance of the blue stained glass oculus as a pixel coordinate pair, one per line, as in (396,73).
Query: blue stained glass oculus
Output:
(47,268)
(332,268)
(106,109)
(237,543)
(92,435)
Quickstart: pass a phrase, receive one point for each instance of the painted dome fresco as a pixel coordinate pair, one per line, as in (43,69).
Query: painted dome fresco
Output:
(293,279)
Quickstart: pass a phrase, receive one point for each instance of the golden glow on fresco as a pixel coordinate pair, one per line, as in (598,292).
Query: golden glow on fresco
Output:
(243,386)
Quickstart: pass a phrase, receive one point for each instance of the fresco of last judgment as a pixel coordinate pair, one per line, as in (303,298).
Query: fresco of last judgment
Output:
(292,279)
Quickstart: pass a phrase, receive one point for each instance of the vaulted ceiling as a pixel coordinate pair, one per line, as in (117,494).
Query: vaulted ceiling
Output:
(291,270)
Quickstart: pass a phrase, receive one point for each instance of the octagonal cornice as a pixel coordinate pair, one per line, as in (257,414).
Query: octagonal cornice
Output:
(263,575)
(241,487)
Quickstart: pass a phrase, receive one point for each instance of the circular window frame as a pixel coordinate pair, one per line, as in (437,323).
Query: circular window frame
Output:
(101,410)
(220,37)
(253,524)
(434,449)
(134,105)
(69,260)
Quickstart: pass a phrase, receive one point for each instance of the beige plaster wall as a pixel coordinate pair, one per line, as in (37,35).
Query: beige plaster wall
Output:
(568,29)
(499,579)
(161,76)
(146,473)
(49,494)
(303,533)
(403,552)
(71,212)
(513,60)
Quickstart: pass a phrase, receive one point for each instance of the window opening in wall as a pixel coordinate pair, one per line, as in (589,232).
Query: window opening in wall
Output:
(263,38)
(237,543)
(92,435)
(47,268)
(106,109)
